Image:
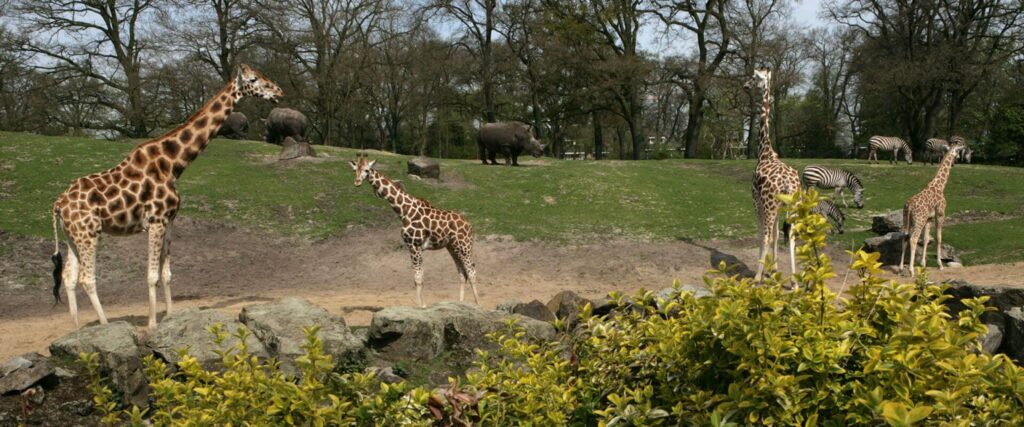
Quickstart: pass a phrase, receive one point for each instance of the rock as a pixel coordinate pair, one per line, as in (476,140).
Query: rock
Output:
(190,329)
(23,372)
(120,356)
(81,408)
(1013,339)
(888,246)
(567,305)
(993,339)
(603,306)
(666,294)
(534,310)
(65,373)
(887,222)
(292,149)
(279,326)
(386,375)
(424,167)
(506,306)
(423,334)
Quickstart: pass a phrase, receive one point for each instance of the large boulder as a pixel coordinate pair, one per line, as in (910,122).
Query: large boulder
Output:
(190,329)
(22,372)
(887,223)
(534,310)
(292,149)
(424,334)
(566,305)
(279,326)
(120,357)
(889,246)
(1005,322)
(424,167)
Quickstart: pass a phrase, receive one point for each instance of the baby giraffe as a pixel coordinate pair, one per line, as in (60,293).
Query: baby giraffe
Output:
(424,227)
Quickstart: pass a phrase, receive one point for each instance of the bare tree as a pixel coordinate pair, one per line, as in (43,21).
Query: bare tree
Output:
(216,32)
(95,40)
(708,23)
(478,19)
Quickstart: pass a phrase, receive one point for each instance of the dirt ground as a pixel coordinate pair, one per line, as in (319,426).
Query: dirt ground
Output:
(224,267)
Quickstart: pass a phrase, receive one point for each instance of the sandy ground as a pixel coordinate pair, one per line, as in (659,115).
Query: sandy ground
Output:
(226,268)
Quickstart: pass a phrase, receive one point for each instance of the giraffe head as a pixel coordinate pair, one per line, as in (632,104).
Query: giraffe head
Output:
(761,79)
(362,168)
(253,83)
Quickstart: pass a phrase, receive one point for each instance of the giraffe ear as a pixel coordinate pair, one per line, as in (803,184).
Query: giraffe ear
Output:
(353,164)
(370,165)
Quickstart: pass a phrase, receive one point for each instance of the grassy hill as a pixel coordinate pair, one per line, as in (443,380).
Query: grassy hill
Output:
(563,201)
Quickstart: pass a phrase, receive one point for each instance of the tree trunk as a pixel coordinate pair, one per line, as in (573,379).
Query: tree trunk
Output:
(694,121)
(136,115)
(598,135)
(487,62)
(620,138)
(635,134)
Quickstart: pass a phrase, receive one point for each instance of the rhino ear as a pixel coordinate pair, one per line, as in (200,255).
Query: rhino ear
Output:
(353,164)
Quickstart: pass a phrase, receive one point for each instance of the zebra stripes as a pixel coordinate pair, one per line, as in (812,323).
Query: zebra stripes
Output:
(827,177)
(935,148)
(831,212)
(890,143)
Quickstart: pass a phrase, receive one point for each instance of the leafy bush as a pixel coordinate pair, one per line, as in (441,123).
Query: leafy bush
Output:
(760,355)
(752,354)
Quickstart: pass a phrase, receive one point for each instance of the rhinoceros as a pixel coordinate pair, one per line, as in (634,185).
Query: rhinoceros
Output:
(236,126)
(284,122)
(510,138)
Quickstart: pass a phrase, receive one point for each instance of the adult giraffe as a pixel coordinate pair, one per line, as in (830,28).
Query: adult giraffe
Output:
(139,195)
(923,207)
(772,177)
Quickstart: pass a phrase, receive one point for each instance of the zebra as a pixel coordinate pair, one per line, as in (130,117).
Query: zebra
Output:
(890,143)
(826,209)
(827,177)
(935,148)
(965,153)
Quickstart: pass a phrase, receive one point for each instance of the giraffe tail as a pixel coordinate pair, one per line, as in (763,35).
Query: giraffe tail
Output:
(58,261)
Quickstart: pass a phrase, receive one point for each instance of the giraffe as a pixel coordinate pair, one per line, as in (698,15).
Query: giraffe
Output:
(139,195)
(424,227)
(922,207)
(772,177)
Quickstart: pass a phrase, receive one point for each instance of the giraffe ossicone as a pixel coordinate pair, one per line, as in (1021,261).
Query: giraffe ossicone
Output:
(424,227)
(139,195)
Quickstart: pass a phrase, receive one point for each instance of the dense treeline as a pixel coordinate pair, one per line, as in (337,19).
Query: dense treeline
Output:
(619,78)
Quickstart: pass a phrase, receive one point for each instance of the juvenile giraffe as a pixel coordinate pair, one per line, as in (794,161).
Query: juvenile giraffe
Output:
(922,207)
(424,227)
(139,195)
(772,177)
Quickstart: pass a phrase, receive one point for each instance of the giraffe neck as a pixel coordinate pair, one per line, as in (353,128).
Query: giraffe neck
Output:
(400,201)
(765,151)
(942,175)
(182,145)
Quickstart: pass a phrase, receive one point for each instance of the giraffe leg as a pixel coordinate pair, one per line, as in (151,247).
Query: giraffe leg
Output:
(924,246)
(904,239)
(157,231)
(914,235)
(939,219)
(766,241)
(416,253)
(70,279)
(87,274)
(792,256)
(469,271)
(462,272)
(165,270)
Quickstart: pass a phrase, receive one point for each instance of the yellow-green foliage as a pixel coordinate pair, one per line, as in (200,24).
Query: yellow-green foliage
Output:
(761,355)
(250,392)
(753,354)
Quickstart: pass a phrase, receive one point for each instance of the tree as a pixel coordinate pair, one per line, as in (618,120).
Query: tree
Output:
(709,24)
(751,28)
(216,32)
(95,40)
(478,21)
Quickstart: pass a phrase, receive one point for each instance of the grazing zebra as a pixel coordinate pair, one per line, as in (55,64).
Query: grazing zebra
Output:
(935,148)
(890,143)
(965,153)
(838,179)
(826,209)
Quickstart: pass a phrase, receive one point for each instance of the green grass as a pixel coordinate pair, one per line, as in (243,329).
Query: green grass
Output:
(561,201)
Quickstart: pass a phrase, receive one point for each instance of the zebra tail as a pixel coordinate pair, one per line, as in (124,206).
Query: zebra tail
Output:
(58,262)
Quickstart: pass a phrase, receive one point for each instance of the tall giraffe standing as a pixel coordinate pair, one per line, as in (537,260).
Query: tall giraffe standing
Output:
(772,177)
(139,195)
(424,227)
(922,207)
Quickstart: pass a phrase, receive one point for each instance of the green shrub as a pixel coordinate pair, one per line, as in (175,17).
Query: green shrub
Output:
(753,354)
(761,355)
